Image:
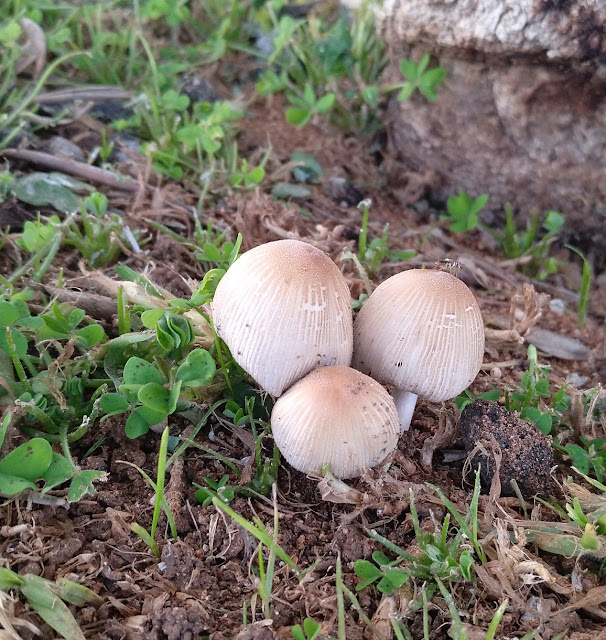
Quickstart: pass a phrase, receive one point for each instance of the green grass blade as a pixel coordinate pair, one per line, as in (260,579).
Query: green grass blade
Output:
(496,620)
(257,530)
(161,476)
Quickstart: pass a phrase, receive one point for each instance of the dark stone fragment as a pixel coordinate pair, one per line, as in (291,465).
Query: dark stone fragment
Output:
(14,215)
(63,148)
(197,89)
(527,456)
(340,190)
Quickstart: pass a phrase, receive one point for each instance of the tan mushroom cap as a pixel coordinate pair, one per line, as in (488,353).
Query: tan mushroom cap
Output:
(283,309)
(335,416)
(421,331)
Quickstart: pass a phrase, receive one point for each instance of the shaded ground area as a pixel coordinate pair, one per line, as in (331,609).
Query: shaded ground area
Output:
(206,582)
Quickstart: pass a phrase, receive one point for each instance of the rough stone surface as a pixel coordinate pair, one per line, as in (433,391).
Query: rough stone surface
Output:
(522,113)
(558,30)
(527,456)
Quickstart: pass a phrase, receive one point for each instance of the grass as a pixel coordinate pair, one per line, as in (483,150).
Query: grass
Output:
(63,370)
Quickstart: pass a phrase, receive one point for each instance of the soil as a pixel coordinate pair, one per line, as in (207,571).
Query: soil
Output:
(205,584)
(524,454)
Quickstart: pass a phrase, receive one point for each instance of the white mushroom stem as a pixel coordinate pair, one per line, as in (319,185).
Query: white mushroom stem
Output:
(405,404)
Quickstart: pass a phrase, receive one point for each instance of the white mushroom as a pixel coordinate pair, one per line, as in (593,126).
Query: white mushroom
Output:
(283,309)
(422,332)
(335,416)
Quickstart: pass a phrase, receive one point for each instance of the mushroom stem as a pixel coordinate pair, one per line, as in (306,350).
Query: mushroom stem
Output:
(405,404)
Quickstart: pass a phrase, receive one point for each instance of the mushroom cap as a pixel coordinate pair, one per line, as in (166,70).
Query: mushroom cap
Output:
(336,416)
(283,309)
(421,331)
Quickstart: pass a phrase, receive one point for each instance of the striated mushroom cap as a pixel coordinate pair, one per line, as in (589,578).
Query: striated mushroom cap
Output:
(335,416)
(283,309)
(421,331)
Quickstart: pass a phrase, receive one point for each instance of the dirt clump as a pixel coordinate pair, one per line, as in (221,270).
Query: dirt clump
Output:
(502,442)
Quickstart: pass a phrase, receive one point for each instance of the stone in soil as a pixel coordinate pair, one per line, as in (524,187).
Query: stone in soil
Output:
(527,456)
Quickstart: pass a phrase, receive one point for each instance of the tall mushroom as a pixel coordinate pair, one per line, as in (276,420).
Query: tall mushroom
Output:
(335,416)
(283,309)
(422,332)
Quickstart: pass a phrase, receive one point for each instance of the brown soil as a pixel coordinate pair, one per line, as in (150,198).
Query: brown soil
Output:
(524,453)
(206,581)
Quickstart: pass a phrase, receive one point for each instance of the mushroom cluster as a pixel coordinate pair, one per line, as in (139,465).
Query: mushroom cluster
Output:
(284,311)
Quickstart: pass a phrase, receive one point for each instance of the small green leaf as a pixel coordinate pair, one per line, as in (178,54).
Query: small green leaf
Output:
(135,527)
(409,69)
(391,581)
(29,460)
(531,413)
(312,628)
(113,403)
(254,176)
(139,371)
(380,558)
(325,103)
(297,632)
(11,485)
(211,252)
(367,572)
(154,396)
(554,221)
(91,335)
(141,419)
(589,539)
(47,189)
(50,607)
(75,318)
(406,91)
(432,78)
(173,397)
(465,564)
(10,32)
(8,313)
(76,594)
(544,424)
(198,370)
(4,427)
(150,317)
(459,205)
(19,341)
(479,203)
(422,64)
(370,95)
(9,579)
(309,95)
(58,472)
(136,424)
(297,116)
(82,484)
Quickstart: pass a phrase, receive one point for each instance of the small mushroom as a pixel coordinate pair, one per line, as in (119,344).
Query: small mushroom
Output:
(283,309)
(335,416)
(422,332)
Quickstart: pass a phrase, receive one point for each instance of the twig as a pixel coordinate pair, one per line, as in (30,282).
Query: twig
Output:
(73,167)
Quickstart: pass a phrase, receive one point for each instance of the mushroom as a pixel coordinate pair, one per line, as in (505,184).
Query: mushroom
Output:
(283,309)
(335,416)
(422,332)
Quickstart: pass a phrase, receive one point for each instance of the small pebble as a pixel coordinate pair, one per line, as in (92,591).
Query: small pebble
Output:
(64,148)
(575,380)
(557,305)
